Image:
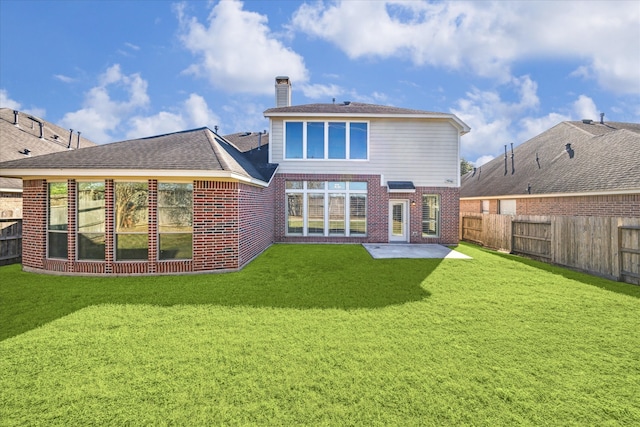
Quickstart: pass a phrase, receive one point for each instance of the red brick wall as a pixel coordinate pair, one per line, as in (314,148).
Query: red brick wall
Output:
(215,225)
(608,206)
(627,205)
(377,211)
(449,215)
(257,221)
(34,223)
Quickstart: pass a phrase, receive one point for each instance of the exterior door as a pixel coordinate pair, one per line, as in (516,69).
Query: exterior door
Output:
(398,220)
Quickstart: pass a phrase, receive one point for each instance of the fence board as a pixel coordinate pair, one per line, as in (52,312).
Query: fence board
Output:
(594,244)
(10,241)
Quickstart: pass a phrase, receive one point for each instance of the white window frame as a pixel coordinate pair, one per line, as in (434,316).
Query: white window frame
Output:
(326,191)
(326,140)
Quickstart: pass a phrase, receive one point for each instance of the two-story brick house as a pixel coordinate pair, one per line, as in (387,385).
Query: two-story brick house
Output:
(194,201)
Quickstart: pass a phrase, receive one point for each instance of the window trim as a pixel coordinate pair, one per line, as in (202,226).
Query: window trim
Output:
(326,140)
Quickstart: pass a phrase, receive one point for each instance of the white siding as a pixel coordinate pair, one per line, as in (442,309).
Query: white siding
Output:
(423,151)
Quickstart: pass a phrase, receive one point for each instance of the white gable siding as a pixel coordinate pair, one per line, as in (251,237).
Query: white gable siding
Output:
(425,152)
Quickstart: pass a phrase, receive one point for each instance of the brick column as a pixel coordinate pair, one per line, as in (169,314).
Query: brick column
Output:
(71,225)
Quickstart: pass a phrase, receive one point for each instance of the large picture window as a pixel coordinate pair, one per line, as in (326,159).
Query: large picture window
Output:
(57,220)
(326,140)
(132,220)
(91,221)
(321,208)
(175,220)
(430,215)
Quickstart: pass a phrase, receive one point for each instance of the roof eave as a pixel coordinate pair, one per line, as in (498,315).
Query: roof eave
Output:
(26,174)
(545,195)
(462,126)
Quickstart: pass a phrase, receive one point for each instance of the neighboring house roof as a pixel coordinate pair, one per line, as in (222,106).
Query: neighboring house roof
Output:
(23,141)
(191,153)
(601,158)
(357,109)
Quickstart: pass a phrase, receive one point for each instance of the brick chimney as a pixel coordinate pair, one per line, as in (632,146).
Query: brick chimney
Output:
(283,91)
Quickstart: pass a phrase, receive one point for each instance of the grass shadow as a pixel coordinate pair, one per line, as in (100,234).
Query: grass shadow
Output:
(285,276)
(579,276)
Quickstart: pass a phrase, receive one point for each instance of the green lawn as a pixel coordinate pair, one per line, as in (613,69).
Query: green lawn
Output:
(323,335)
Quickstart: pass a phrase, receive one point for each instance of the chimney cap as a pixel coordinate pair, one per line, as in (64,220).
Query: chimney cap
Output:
(282,79)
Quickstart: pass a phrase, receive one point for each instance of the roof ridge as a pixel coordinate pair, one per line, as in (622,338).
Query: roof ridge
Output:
(214,148)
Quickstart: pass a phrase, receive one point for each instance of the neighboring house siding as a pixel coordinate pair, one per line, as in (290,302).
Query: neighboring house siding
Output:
(425,152)
(609,206)
(622,205)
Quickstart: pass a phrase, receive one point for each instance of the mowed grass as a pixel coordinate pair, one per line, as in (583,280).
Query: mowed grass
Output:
(323,335)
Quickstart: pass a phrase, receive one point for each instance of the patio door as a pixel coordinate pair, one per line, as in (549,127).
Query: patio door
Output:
(398,221)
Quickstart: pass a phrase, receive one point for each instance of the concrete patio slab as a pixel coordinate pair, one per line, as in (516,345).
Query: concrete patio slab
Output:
(399,250)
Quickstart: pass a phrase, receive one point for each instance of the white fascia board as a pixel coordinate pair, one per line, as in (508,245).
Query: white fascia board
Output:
(462,126)
(549,195)
(132,173)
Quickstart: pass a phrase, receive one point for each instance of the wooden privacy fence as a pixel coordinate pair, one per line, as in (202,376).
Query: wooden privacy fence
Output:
(605,246)
(10,241)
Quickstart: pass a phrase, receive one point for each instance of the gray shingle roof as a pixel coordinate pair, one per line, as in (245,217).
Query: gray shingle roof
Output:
(190,150)
(15,139)
(606,157)
(343,108)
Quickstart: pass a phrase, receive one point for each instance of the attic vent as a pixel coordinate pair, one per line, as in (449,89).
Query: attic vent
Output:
(587,121)
(347,102)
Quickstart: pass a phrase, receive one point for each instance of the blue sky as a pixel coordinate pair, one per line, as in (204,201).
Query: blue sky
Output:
(117,70)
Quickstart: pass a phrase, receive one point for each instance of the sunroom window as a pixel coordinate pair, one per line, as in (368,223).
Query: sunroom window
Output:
(132,220)
(57,220)
(175,220)
(91,220)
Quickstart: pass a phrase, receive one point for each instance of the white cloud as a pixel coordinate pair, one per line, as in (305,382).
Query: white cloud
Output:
(491,119)
(585,108)
(101,116)
(482,160)
(236,50)
(193,113)
(487,37)
(320,91)
(7,102)
(63,78)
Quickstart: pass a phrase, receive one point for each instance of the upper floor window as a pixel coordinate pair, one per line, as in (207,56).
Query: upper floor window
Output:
(326,140)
